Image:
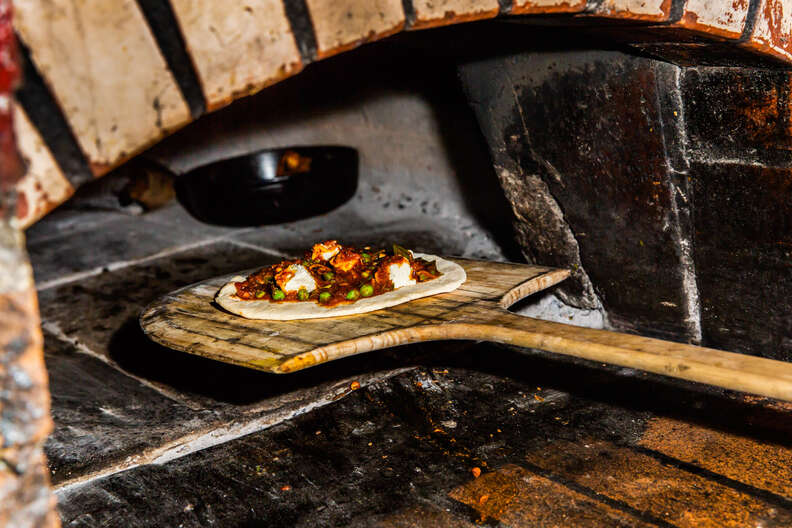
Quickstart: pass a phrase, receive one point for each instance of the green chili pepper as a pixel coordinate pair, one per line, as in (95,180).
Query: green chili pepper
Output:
(398,250)
(324,296)
(278,295)
(367,290)
(352,295)
(302,294)
(260,294)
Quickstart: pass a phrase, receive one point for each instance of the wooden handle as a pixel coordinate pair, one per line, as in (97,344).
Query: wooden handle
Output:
(766,377)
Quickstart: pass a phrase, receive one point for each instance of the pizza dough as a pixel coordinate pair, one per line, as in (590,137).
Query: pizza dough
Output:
(452,277)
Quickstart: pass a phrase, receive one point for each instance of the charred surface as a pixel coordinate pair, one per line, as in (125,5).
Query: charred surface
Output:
(589,125)
(407,447)
(743,251)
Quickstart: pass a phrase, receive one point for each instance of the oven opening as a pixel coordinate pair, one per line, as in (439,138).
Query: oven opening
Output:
(612,182)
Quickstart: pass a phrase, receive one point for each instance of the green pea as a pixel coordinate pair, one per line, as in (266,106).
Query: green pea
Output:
(367,290)
(328,275)
(260,294)
(278,295)
(352,295)
(302,294)
(366,257)
(324,296)
(365,274)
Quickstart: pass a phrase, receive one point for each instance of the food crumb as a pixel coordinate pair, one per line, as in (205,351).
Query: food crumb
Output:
(286,488)
(355,385)
(476,472)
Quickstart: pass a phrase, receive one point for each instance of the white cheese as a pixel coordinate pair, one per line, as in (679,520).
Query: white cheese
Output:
(325,250)
(327,255)
(399,274)
(301,279)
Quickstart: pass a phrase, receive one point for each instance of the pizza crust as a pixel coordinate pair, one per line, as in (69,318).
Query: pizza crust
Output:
(453,276)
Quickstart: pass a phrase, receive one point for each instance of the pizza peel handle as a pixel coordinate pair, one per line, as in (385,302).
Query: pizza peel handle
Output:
(188,320)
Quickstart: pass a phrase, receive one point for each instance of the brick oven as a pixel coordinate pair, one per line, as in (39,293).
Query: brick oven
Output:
(643,145)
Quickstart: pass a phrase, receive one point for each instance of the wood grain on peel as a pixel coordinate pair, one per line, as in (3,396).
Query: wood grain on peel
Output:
(187,320)
(649,486)
(237,48)
(105,69)
(44,186)
(518,497)
(341,25)
(434,13)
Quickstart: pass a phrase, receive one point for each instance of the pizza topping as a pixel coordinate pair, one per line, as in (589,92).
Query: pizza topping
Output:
(332,274)
(399,271)
(347,260)
(294,278)
(325,250)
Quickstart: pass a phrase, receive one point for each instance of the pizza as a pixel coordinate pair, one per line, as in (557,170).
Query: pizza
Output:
(332,280)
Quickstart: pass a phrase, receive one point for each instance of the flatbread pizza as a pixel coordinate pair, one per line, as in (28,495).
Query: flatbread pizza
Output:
(333,280)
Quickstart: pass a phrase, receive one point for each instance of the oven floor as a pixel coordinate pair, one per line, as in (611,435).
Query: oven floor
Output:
(556,444)
(437,434)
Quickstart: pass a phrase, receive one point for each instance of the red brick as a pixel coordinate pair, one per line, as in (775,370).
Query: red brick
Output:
(44,185)
(760,464)
(682,498)
(25,498)
(772,33)
(433,13)
(526,7)
(643,10)
(721,18)
(518,497)
(341,25)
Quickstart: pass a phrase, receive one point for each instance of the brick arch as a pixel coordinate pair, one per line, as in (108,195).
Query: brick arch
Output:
(106,80)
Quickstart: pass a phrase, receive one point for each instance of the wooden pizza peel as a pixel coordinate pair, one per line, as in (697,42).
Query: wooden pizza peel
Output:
(188,320)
